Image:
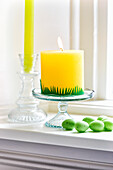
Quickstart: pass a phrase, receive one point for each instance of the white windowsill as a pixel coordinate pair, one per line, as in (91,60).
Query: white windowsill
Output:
(28,135)
(78,110)
(44,135)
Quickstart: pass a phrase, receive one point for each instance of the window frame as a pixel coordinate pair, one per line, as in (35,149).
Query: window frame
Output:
(93,26)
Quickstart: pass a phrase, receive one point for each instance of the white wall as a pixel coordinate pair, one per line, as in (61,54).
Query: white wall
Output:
(51,20)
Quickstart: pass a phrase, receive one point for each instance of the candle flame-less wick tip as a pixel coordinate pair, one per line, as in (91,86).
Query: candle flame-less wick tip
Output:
(61,49)
(60,44)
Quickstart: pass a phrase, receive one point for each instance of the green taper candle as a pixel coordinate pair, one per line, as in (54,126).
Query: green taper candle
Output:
(28,35)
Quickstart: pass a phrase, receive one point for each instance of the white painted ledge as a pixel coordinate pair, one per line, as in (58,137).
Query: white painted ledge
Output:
(97,141)
(39,133)
(83,149)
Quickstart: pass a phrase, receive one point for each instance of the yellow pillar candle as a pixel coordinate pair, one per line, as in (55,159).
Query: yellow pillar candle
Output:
(62,72)
(28,35)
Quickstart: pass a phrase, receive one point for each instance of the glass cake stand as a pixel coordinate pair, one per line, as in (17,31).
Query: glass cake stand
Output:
(62,100)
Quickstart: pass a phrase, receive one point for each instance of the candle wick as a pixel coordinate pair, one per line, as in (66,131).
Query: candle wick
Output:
(61,49)
(60,44)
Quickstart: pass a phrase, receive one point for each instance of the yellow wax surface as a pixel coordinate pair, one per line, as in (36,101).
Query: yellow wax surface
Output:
(28,35)
(62,69)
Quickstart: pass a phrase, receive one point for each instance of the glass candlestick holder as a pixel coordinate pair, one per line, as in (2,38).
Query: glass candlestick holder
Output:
(27,110)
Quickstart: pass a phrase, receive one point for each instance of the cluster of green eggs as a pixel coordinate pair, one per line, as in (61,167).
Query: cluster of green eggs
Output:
(102,123)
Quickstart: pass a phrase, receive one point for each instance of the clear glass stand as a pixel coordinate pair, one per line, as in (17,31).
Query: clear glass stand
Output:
(27,110)
(62,114)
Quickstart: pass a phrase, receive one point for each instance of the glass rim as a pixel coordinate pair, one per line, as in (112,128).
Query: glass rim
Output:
(33,55)
(88,94)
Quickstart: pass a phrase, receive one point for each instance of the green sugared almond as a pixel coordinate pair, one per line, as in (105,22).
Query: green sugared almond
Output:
(68,124)
(102,118)
(88,119)
(108,125)
(97,126)
(81,126)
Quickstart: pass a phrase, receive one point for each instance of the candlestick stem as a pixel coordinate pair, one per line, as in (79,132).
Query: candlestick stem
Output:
(60,117)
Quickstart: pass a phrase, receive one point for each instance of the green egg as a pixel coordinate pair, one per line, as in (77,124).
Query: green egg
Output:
(102,118)
(108,125)
(68,124)
(81,126)
(88,119)
(97,126)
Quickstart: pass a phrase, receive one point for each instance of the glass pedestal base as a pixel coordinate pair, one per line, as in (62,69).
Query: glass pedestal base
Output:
(56,122)
(27,115)
(62,114)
